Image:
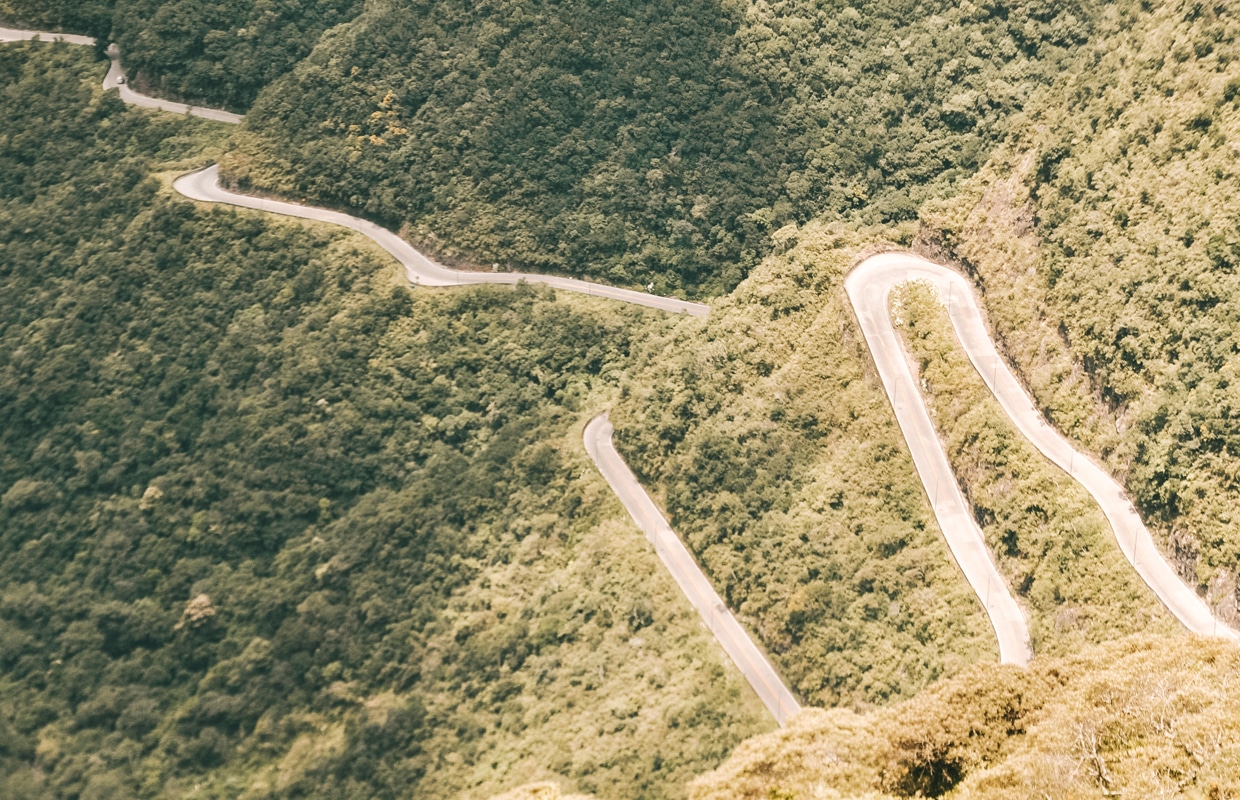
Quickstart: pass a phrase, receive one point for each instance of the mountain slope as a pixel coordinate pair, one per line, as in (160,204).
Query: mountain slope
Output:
(217,54)
(270,522)
(1106,235)
(646,143)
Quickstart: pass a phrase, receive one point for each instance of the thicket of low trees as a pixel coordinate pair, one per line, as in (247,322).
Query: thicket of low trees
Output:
(1135,717)
(270,520)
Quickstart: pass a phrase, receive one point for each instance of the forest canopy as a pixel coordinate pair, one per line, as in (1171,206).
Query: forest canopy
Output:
(646,143)
(269,518)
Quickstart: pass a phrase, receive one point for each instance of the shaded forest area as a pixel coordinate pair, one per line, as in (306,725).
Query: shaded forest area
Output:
(217,53)
(634,142)
(647,142)
(270,520)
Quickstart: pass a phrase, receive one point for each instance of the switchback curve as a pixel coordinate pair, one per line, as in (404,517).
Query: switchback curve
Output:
(869,287)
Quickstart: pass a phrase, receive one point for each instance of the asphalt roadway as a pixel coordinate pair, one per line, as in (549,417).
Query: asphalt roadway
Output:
(869,288)
(113,79)
(204,186)
(751,661)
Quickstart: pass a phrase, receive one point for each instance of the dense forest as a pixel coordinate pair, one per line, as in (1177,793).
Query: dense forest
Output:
(270,520)
(214,53)
(637,142)
(646,143)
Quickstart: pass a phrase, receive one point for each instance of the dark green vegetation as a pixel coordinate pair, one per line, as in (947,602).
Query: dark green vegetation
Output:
(1108,239)
(271,523)
(89,17)
(220,54)
(782,466)
(207,52)
(644,143)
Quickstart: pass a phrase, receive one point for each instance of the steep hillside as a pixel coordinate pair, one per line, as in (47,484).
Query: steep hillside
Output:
(646,143)
(1107,235)
(273,525)
(780,463)
(208,53)
(1133,718)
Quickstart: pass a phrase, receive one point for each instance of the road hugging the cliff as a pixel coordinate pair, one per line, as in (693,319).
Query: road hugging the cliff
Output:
(868,287)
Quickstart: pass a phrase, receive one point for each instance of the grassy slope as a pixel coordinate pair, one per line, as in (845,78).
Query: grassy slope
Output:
(416,579)
(1106,238)
(780,462)
(1050,539)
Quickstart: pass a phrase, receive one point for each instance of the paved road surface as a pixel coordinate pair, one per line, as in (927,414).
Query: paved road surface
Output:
(205,187)
(869,288)
(112,79)
(14,35)
(752,663)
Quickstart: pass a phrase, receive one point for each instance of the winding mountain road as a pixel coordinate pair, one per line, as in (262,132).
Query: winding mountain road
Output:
(869,288)
(752,663)
(204,186)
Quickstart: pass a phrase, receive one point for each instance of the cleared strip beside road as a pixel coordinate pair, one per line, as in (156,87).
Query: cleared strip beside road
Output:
(751,661)
(869,288)
(204,186)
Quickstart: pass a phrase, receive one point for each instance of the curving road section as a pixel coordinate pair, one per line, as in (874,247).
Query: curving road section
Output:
(114,80)
(752,663)
(15,35)
(869,288)
(204,186)
(115,76)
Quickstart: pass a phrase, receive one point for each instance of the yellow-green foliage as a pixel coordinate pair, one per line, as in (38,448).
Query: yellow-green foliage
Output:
(1141,717)
(540,791)
(1106,236)
(779,460)
(271,526)
(1049,537)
